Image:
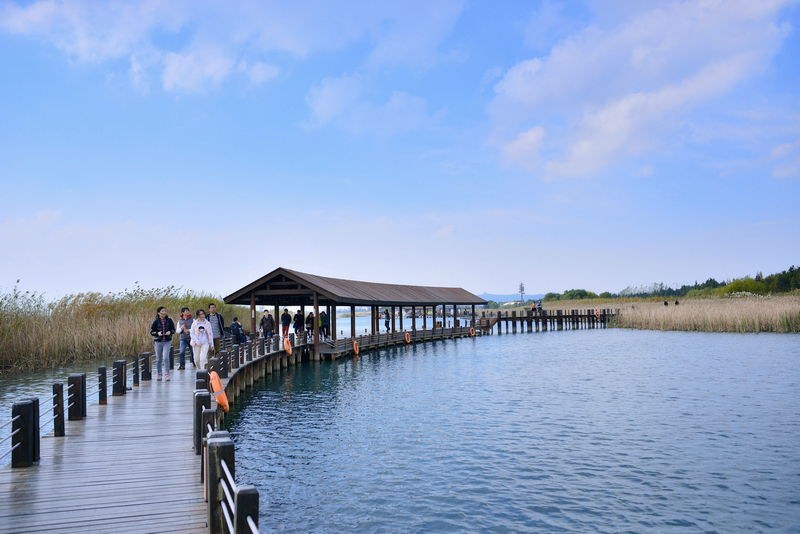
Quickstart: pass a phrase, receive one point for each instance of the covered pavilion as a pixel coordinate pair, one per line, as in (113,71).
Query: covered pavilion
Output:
(284,288)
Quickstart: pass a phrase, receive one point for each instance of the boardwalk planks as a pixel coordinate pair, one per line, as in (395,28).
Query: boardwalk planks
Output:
(128,467)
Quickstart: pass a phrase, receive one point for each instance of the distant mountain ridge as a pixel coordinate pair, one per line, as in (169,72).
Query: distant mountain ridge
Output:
(509,298)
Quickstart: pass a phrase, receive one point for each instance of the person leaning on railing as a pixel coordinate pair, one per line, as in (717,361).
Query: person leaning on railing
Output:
(162,330)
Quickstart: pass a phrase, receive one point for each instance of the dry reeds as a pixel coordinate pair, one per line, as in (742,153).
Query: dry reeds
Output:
(36,334)
(745,314)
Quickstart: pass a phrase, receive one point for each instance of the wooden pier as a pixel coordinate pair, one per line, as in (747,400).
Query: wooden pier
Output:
(127,467)
(544,320)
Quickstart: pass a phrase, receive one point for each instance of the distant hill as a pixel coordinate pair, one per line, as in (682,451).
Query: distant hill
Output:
(509,298)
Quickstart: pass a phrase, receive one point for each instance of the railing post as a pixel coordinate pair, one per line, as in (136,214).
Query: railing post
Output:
(58,410)
(219,448)
(147,366)
(246,504)
(223,364)
(202,399)
(102,394)
(120,374)
(213,364)
(234,357)
(202,374)
(36,432)
(171,358)
(83,395)
(75,390)
(207,417)
(22,456)
(135,369)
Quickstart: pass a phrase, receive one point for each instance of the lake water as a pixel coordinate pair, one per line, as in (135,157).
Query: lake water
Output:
(576,431)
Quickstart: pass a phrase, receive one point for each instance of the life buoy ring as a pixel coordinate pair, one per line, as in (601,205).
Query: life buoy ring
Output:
(355,347)
(287,346)
(408,337)
(472,332)
(219,393)
(597,313)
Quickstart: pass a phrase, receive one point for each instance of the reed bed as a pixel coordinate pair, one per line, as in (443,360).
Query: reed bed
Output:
(726,314)
(37,334)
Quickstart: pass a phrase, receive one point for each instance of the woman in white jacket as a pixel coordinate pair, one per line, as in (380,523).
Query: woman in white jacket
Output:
(201,339)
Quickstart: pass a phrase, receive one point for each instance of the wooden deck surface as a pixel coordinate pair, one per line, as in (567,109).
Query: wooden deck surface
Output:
(128,467)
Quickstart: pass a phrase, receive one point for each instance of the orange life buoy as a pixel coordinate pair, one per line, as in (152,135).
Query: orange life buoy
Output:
(355,347)
(597,313)
(408,337)
(216,385)
(287,346)
(472,332)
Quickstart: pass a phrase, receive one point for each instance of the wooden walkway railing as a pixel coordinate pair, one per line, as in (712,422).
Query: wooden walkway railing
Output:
(123,466)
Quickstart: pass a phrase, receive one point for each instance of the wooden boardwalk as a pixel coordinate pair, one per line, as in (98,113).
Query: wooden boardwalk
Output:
(127,467)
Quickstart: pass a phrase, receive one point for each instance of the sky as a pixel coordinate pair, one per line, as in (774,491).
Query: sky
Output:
(588,144)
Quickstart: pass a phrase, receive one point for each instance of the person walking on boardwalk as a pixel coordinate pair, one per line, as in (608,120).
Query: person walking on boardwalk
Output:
(202,338)
(184,326)
(217,326)
(386,319)
(297,322)
(310,323)
(267,325)
(286,321)
(162,330)
(324,324)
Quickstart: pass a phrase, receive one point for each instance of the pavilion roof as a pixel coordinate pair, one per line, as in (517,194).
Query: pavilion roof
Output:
(285,287)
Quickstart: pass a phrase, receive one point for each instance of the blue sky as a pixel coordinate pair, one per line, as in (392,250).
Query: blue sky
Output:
(566,145)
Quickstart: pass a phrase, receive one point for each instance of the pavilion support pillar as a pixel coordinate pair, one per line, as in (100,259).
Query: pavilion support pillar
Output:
(424,317)
(252,312)
(316,327)
(393,324)
(277,318)
(401,318)
(333,322)
(413,317)
(472,322)
(352,321)
(303,313)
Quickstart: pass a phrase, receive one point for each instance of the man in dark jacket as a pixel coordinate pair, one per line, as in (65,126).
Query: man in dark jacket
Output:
(297,322)
(286,320)
(267,324)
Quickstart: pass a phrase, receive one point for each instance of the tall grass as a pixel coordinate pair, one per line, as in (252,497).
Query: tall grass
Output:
(37,334)
(745,314)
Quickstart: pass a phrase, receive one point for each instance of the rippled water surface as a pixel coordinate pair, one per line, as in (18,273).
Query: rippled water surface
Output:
(580,431)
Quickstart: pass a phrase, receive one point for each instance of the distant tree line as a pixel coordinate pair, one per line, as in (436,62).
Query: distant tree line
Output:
(782,282)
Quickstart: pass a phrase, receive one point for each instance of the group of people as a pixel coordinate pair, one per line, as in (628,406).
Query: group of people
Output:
(297,322)
(200,334)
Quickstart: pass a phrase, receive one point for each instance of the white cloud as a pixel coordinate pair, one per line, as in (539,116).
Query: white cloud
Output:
(178,36)
(414,33)
(790,154)
(261,72)
(524,149)
(193,71)
(444,232)
(339,100)
(603,94)
(332,97)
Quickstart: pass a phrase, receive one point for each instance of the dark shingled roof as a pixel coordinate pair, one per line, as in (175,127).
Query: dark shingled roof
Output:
(285,287)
